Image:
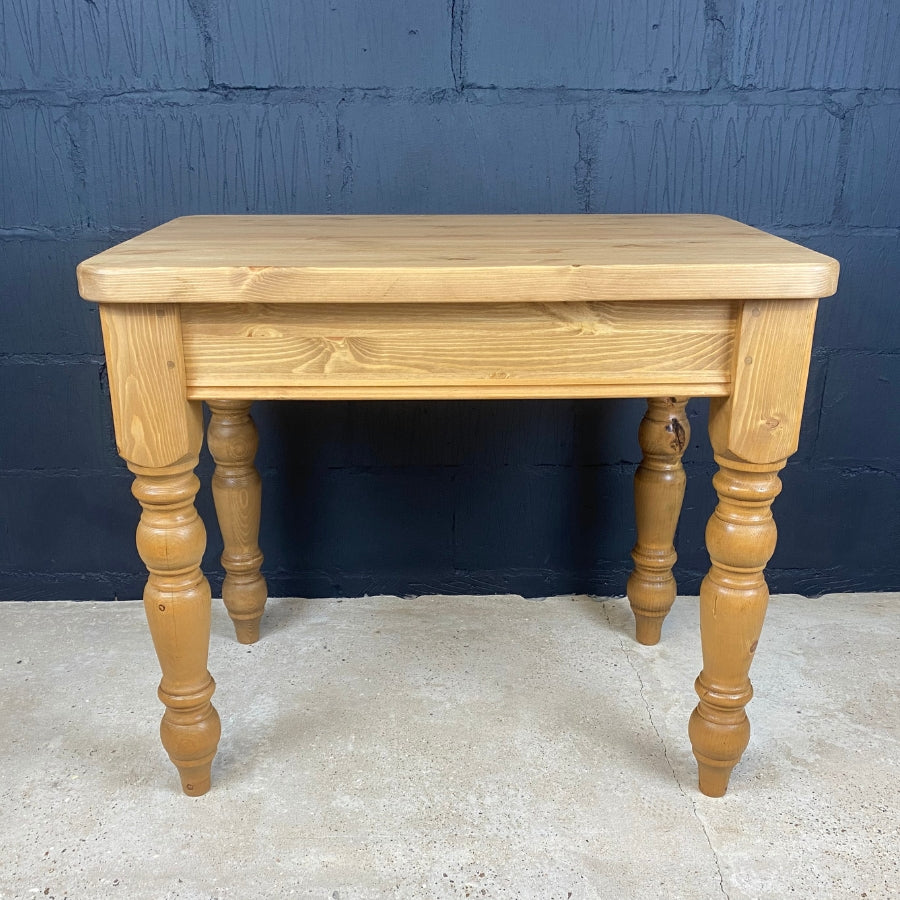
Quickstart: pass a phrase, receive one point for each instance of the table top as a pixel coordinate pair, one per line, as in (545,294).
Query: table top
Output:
(458,258)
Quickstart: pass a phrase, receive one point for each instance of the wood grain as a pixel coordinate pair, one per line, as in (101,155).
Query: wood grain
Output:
(359,351)
(232,309)
(171,540)
(155,424)
(237,491)
(659,484)
(741,538)
(760,420)
(440,259)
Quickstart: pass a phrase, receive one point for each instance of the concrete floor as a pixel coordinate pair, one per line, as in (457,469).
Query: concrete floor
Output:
(444,747)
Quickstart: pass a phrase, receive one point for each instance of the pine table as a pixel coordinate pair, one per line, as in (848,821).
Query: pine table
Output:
(230,309)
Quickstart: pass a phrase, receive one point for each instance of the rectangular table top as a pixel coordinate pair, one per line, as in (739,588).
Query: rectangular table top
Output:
(458,258)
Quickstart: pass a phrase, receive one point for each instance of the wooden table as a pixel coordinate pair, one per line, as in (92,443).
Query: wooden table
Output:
(229,309)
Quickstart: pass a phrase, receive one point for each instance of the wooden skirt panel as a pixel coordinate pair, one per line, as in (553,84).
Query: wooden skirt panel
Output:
(457,350)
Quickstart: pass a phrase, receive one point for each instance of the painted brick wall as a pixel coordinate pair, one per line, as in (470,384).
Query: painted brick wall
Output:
(116,115)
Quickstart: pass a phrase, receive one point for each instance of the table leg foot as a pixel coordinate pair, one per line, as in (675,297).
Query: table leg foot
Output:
(191,737)
(171,540)
(237,492)
(195,782)
(658,493)
(741,538)
(246,630)
(713,779)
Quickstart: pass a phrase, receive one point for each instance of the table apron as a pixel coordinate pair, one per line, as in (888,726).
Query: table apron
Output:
(458,350)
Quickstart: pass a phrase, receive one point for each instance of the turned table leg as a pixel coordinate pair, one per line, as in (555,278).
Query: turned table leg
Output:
(740,538)
(237,492)
(159,433)
(171,540)
(753,431)
(658,493)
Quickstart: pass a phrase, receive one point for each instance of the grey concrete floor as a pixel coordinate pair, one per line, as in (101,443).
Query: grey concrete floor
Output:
(483,747)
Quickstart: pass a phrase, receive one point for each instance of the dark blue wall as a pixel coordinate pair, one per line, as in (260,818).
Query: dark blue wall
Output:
(116,115)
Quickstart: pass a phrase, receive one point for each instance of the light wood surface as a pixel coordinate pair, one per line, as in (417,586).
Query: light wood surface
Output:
(659,484)
(159,433)
(171,540)
(752,432)
(740,538)
(233,308)
(761,418)
(361,351)
(441,259)
(237,493)
(155,422)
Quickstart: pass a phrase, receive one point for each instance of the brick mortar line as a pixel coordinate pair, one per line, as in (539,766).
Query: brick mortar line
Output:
(115,472)
(326,95)
(52,359)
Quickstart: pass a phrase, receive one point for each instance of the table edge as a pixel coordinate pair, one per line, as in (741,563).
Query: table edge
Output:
(267,284)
